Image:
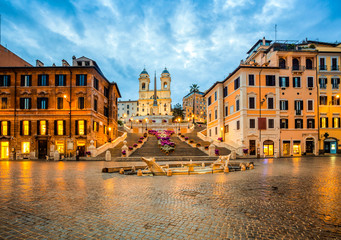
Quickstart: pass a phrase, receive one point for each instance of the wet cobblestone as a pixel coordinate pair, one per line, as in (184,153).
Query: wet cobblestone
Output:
(280,199)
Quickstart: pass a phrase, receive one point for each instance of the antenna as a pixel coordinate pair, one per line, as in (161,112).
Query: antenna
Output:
(275,32)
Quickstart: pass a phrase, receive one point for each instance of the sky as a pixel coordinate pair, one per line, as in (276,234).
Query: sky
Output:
(200,42)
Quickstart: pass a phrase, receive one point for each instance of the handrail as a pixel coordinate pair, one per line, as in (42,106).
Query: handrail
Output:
(112,144)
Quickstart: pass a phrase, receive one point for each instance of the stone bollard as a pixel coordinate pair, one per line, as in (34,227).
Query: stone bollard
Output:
(226,170)
(133,169)
(56,156)
(125,148)
(233,155)
(121,171)
(107,156)
(169,173)
(242,167)
(139,172)
(211,150)
(251,166)
(203,164)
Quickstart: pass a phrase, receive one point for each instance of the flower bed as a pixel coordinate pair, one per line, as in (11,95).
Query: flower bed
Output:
(164,142)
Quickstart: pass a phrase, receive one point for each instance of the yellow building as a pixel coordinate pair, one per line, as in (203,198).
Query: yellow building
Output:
(146,101)
(194,106)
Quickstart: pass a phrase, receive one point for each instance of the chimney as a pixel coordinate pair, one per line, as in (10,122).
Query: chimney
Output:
(263,41)
(65,63)
(53,65)
(39,63)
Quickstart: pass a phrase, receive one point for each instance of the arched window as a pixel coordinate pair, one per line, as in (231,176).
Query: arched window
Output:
(143,86)
(282,63)
(308,63)
(295,64)
(165,85)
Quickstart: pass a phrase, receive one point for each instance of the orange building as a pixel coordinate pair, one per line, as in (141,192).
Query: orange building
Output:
(194,106)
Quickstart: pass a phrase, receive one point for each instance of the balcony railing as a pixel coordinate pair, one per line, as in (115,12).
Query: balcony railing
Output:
(297,68)
(335,68)
(323,67)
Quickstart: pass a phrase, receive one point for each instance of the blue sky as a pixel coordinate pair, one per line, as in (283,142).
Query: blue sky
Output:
(199,41)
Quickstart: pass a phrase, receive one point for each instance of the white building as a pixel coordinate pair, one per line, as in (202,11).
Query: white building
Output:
(127,109)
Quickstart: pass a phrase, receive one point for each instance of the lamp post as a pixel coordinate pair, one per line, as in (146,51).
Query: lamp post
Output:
(146,124)
(69,114)
(109,134)
(179,120)
(131,123)
(188,122)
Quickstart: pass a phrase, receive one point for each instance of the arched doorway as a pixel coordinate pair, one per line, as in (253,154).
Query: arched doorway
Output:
(268,148)
(309,146)
(330,145)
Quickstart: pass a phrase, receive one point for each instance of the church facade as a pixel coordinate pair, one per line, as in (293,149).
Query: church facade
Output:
(147,102)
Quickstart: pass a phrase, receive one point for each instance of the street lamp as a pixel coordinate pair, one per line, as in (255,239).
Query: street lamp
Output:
(131,123)
(188,122)
(109,134)
(146,123)
(179,120)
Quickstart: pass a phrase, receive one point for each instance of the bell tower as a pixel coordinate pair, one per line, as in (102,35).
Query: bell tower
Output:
(144,81)
(165,80)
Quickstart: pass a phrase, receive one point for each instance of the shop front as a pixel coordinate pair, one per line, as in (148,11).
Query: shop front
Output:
(268,148)
(330,145)
(4,150)
(296,150)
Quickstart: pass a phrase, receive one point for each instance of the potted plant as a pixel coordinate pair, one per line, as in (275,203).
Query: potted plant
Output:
(124,153)
(130,148)
(88,154)
(216,152)
(206,147)
(198,145)
(220,139)
(245,151)
(135,145)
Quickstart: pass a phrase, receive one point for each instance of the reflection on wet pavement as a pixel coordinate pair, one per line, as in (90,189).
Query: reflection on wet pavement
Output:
(281,198)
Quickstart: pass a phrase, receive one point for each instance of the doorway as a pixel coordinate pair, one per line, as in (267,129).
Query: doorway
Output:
(268,148)
(286,148)
(330,146)
(252,147)
(309,146)
(42,149)
(4,150)
(81,151)
(297,148)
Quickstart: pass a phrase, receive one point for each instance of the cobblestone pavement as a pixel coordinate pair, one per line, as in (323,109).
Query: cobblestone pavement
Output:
(280,199)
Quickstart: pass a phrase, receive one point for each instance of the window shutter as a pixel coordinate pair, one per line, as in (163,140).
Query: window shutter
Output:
(301,105)
(64,128)
(47,80)
(85,127)
(293,82)
(320,122)
(21,103)
(30,80)
(22,80)
(85,79)
(326,80)
(47,103)
(339,123)
(1,81)
(47,127)
(97,127)
(326,122)
(76,127)
(77,80)
(1,128)
(64,78)
(55,127)
(29,128)
(29,103)
(286,105)
(287,81)
(20,128)
(39,80)
(39,103)
(9,128)
(56,80)
(295,105)
(38,127)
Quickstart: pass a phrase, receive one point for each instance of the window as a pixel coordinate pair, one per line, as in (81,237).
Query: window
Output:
(60,147)
(95,126)
(25,103)
(298,106)
(106,92)
(25,128)
(143,86)
(238,125)
(42,127)
(209,117)
(335,83)
(5,80)
(60,102)
(105,130)
(3,103)
(323,83)
(80,127)
(216,130)
(295,64)
(283,105)
(43,80)
(282,64)
(323,122)
(336,122)
(310,82)
(95,105)
(232,109)
(209,101)
(96,83)
(323,100)
(284,123)
(323,64)
(60,127)
(237,105)
(335,100)
(308,64)
(251,80)
(298,123)
(284,82)
(5,128)
(310,105)
(227,128)
(271,123)
(42,103)
(310,123)
(25,147)
(106,112)
(226,111)
(296,82)
(60,80)
(215,114)
(81,102)
(26,80)
(215,96)
(252,103)
(81,79)
(225,91)
(270,80)
(236,83)
(210,132)
(270,103)
(252,123)
(334,66)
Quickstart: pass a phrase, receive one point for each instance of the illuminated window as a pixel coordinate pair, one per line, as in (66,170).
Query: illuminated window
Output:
(60,146)
(81,127)
(324,122)
(25,147)
(105,130)
(4,126)
(60,127)
(95,126)
(26,128)
(336,123)
(42,127)
(4,150)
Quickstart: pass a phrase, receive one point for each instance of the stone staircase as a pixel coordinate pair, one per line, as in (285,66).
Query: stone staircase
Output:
(151,149)
(193,135)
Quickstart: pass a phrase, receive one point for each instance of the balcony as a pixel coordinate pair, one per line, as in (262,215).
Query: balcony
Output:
(297,68)
(335,68)
(323,67)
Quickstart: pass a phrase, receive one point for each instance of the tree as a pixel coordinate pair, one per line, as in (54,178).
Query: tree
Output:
(194,88)
(178,111)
